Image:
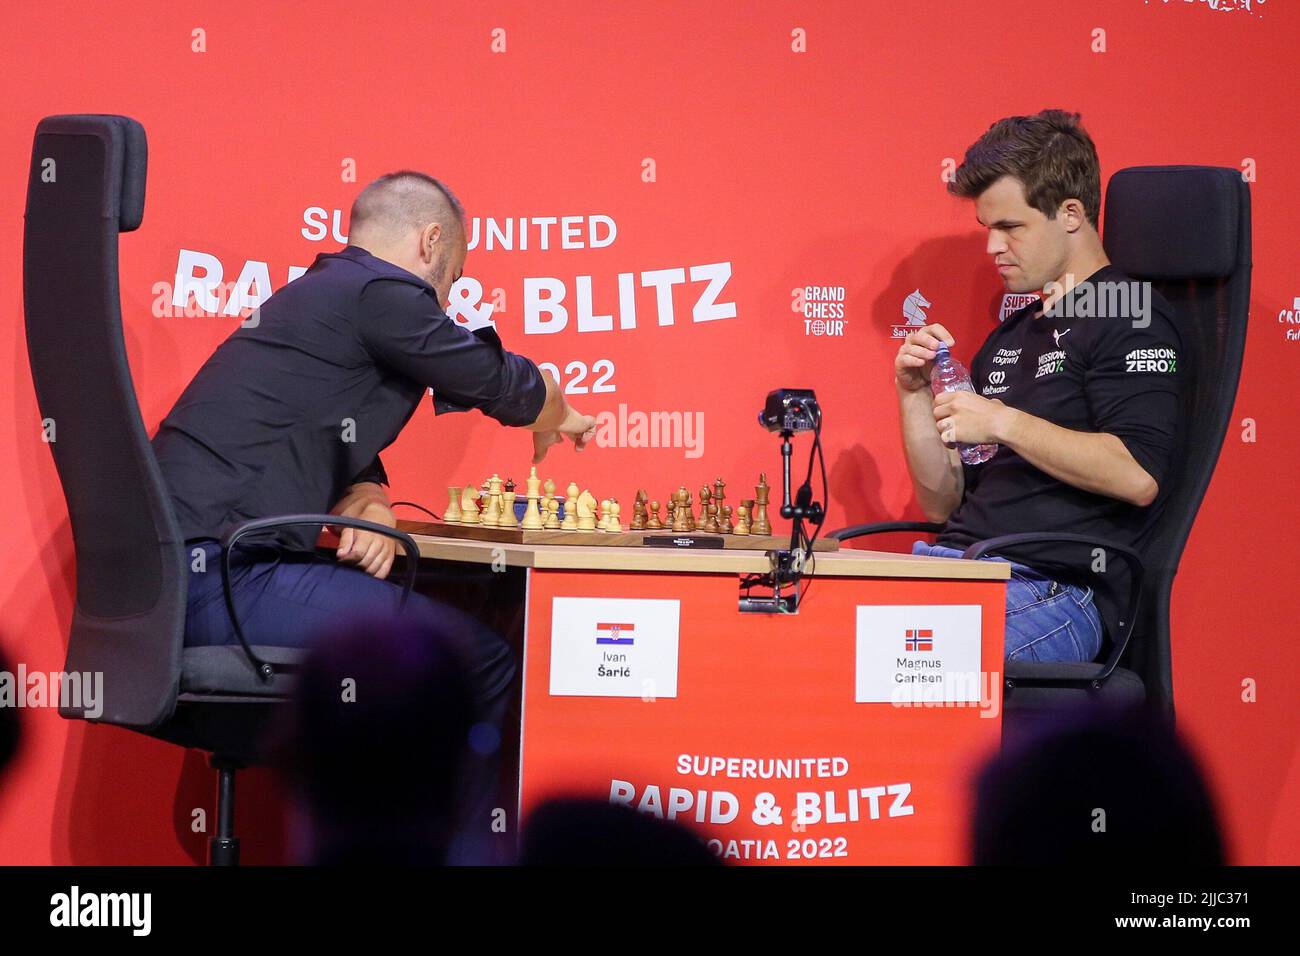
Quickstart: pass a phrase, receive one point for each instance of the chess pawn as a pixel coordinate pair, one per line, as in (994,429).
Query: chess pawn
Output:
(603,523)
(570,508)
(761,524)
(680,507)
(615,524)
(725,526)
(549,495)
(638,514)
(652,522)
(452,514)
(742,520)
(553,515)
(469,505)
(586,508)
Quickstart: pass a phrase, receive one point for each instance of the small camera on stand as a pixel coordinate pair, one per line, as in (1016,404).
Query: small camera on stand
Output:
(789,411)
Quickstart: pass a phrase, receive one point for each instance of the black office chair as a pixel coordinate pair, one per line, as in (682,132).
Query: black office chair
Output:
(1186,229)
(86,184)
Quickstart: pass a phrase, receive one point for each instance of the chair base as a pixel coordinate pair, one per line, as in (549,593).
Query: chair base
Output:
(223,847)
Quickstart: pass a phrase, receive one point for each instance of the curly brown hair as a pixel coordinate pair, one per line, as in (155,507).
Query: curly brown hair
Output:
(1050,153)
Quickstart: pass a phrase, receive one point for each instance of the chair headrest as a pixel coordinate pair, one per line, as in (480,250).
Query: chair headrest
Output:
(126,154)
(1174,222)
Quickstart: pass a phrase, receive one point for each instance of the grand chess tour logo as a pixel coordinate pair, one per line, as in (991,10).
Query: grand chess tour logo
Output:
(821,307)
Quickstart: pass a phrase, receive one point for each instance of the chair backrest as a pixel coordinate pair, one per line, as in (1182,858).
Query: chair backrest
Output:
(1185,229)
(85,185)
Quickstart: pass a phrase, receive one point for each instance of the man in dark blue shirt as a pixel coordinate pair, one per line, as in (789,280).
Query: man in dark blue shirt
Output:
(291,411)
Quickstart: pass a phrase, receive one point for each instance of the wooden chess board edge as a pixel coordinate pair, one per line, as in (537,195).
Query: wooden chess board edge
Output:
(626,539)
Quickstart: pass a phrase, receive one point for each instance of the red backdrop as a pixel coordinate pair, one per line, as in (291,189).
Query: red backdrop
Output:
(800,145)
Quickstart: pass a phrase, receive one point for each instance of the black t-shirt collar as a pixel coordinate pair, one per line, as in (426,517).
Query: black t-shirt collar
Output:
(1101,275)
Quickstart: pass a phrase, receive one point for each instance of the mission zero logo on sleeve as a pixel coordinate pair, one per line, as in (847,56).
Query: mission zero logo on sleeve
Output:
(1151,360)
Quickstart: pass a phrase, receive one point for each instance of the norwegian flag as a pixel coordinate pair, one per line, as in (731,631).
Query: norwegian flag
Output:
(920,640)
(614,633)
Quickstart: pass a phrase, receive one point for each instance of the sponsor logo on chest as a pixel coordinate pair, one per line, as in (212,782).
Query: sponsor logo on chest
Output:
(997,383)
(1151,360)
(1050,363)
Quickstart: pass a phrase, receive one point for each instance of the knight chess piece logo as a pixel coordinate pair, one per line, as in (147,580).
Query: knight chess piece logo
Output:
(914,306)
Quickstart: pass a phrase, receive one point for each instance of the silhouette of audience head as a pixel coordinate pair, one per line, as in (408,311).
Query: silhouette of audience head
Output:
(583,832)
(374,745)
(9,726)
(1098,786)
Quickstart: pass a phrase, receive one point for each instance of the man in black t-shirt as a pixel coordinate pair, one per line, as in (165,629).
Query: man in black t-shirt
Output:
(1079,391)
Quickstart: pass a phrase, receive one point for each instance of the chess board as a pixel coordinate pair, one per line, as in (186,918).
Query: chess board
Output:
(624,539)
(497,511)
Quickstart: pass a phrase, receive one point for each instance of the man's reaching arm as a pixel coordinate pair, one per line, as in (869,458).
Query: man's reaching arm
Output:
(407,330)
(556,420)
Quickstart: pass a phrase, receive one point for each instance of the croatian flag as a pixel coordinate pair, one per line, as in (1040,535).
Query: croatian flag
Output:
(918,640)
(614,633)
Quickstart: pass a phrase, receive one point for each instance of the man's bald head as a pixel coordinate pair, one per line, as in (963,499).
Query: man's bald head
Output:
(413,221)
(402,202)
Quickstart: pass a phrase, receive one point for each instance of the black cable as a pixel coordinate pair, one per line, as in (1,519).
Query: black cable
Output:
(820,455)
(412,504)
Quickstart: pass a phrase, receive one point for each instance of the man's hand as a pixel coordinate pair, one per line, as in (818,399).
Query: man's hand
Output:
(580,429)
(970,419)
(559,419)
(916,355)
(372,553)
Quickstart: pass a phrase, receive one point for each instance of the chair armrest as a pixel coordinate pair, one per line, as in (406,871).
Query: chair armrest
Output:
(1136,569)
(231,538)
(858,530)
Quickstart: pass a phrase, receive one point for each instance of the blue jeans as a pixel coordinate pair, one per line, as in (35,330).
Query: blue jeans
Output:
(288,599)
(1046,620)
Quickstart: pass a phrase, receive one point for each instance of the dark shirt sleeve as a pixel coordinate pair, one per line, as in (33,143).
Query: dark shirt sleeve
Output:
(1132,386)
(403,327)
(372,472)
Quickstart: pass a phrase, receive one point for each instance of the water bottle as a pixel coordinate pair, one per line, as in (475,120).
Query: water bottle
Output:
(949,375)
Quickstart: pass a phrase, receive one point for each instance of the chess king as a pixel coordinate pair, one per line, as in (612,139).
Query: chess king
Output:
(289,416)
